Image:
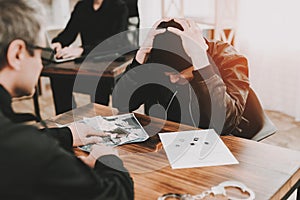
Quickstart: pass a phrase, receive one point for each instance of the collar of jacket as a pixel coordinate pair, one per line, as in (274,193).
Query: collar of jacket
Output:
(5,100)
(6,108)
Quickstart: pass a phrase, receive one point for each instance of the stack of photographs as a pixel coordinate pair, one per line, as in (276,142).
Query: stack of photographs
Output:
(118,129)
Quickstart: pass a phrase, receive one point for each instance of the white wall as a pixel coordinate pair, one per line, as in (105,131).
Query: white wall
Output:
(150,10)
(58,12)
(268,34)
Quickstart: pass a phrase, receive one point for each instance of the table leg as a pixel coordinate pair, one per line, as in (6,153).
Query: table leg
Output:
(36,103)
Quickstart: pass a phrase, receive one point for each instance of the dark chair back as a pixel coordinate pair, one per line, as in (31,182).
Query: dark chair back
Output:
(133,21)
(132,8)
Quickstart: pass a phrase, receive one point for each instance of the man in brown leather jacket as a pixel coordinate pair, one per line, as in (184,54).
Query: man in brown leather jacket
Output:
(180,76)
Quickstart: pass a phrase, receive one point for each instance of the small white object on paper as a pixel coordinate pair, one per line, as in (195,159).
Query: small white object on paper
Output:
(196,148)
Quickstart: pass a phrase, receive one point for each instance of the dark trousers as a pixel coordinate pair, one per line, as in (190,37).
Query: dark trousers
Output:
(64,86)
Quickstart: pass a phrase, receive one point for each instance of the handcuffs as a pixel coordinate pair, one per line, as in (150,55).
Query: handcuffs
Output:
(215,190)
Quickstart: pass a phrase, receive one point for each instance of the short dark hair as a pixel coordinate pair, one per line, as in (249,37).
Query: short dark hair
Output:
(19,19)
(168,49)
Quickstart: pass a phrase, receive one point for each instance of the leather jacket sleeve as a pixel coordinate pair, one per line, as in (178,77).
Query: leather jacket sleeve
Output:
(226,82)
(62,135)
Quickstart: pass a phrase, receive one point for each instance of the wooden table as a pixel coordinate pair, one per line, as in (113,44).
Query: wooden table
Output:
(86,73)
(88,68)
(271,172)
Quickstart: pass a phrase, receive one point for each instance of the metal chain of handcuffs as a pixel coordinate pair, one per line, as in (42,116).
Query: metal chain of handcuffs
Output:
(215,190)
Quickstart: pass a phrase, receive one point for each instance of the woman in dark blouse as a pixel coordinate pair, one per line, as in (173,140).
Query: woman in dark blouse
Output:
(95,21)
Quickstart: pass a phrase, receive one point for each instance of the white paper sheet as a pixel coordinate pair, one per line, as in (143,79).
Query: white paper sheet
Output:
(196,148)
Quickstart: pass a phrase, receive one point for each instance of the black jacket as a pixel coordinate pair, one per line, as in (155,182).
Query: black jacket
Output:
(218,97)
(94,26)
(34,165)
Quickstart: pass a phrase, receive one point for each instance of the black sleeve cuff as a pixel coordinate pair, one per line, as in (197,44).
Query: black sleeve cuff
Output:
(87,49)
(54,40)
(132,65)
(62,135)
(57,39)
(135,63)
(109,162)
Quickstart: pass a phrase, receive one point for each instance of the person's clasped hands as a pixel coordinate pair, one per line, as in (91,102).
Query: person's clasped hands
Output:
(66,52)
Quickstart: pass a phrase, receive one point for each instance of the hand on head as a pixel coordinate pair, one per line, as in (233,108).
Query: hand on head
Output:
(190,30)
(193,42)
(148,43)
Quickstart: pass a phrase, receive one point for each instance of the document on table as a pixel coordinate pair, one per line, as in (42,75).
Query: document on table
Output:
(196,148)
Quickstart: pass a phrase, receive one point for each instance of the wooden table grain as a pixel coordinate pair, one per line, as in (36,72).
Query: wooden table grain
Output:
(271,172)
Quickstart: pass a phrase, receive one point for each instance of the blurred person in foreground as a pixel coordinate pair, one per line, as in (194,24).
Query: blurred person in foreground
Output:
(41,164)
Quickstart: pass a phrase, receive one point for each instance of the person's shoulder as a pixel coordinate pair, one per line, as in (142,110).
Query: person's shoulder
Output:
(218,46)
(213,42)
(23,137)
